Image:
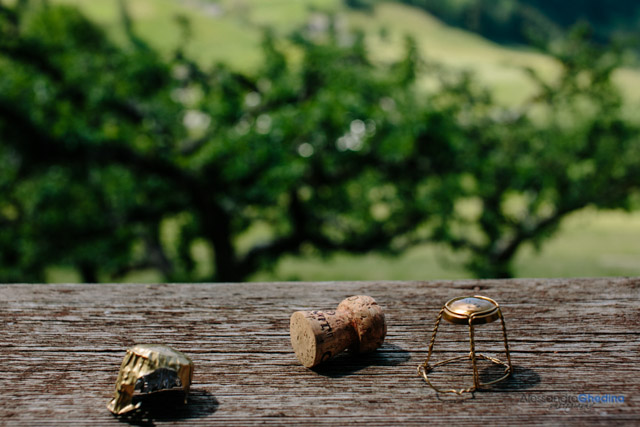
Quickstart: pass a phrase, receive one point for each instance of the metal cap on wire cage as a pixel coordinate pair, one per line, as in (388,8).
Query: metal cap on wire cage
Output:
(471,311)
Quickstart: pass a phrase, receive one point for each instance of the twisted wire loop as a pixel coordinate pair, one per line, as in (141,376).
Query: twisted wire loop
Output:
(506,341)
(424,369)
(433,338)
(472,353)
(508,366)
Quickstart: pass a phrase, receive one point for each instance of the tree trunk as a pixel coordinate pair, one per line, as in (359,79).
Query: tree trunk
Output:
(89,273)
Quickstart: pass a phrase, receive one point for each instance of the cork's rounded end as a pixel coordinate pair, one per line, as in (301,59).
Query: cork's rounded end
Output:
(303,339)
(368,320)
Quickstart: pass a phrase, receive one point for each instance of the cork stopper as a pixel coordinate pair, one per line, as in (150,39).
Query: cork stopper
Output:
(357,324)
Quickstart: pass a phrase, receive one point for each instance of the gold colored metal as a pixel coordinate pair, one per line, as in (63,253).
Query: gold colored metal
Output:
(150,369)
(471,311)
(483,310)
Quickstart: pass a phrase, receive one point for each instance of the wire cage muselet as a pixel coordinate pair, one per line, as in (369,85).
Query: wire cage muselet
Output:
(470,311)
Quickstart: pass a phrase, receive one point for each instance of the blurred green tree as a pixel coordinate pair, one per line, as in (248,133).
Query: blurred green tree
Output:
(525,169)
(102,146)
(115,159)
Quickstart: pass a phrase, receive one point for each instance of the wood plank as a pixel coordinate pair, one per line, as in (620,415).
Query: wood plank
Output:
(61,347)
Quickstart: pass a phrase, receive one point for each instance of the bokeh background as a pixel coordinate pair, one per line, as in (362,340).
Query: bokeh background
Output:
(239,140)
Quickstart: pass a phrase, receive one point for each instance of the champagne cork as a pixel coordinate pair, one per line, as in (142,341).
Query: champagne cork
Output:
(357,324)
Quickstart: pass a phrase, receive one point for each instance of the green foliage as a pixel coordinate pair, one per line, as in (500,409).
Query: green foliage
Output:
(115,159)
(526,169)
(360,4)
(520,21)
(109,144)
(75,114)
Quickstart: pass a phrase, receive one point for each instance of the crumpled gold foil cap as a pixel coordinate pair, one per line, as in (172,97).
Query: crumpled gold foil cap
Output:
(149,369)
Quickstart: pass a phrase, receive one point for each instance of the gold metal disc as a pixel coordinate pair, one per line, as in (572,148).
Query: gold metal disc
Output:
(482,309)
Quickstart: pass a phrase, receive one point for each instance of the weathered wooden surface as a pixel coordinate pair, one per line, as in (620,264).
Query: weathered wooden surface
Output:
(61,347)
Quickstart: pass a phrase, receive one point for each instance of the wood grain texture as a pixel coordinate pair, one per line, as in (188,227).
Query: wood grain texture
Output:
(61,347)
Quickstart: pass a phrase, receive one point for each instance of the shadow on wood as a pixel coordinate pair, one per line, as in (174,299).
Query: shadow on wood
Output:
(199,405)
(349,363)
(521,379)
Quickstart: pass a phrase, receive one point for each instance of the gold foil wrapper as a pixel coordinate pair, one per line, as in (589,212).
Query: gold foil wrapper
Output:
(148,369)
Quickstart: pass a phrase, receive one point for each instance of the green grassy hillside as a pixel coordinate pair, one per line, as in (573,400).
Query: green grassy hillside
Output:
(230,31)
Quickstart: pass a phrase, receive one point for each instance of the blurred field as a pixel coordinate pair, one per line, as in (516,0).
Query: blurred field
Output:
(589,244)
